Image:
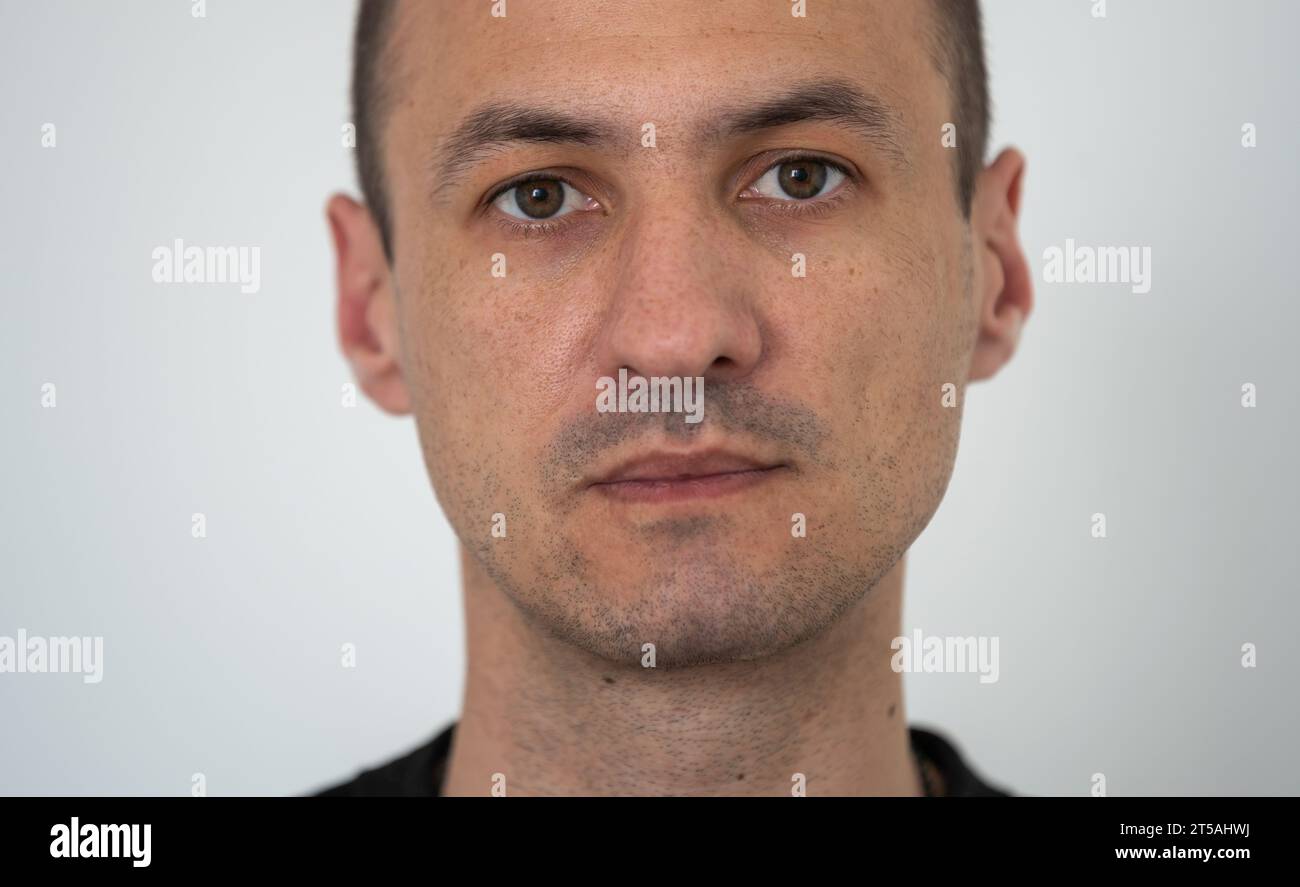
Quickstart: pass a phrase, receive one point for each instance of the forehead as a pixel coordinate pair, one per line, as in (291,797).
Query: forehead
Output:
(654,59)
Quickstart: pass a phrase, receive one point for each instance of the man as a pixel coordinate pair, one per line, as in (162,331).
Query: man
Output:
(778,217)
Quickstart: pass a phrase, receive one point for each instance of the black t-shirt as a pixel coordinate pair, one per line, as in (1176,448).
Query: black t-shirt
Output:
(420,772)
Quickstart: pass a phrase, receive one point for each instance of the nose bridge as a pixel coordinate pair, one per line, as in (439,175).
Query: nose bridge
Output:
(678,310)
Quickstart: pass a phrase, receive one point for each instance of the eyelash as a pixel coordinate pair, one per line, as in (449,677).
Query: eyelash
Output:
(528,229)
(811,208)
(814,207)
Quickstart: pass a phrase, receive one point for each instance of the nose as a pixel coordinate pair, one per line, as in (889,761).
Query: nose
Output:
(679,307)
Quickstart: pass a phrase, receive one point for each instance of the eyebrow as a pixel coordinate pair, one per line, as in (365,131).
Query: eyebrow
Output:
(832,101)
(498,125)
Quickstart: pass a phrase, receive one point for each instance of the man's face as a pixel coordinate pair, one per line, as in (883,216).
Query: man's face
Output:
(823,394)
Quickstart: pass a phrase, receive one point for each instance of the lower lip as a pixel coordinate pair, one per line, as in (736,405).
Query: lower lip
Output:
(684,489)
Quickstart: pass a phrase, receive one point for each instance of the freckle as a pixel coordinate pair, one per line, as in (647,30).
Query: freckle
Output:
(609,680)
(891,710)
(740,777)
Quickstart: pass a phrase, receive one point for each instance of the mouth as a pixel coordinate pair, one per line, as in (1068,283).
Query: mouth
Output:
(676,477)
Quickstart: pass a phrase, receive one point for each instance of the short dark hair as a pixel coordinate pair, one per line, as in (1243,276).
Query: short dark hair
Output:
(958,47)
(371,97)
(959,41)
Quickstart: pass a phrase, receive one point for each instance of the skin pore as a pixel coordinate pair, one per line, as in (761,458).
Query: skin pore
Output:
(772,649)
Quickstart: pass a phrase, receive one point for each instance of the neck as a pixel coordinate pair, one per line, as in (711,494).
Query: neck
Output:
(556,720)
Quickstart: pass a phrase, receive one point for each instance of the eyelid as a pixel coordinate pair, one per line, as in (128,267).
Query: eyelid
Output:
(513,224)
(574,179)
(794,156)
(524,179)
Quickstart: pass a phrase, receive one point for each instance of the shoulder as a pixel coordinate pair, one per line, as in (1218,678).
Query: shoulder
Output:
(415,774)
(959,779)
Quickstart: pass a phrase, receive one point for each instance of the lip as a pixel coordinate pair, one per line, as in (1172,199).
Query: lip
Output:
(675,477)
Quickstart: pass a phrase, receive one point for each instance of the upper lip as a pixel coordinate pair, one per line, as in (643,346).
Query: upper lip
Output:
(669,466)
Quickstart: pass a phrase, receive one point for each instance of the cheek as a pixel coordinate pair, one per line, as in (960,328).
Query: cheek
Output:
(493,360)
(884,334)
(883,329)
(918,377)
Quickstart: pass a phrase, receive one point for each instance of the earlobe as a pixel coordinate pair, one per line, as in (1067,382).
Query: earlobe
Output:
(366,309)
(1005,285)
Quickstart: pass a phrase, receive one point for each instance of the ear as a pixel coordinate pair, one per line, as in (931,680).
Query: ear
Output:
(1004,284)
(367,307)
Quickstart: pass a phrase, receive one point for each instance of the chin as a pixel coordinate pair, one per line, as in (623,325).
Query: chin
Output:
(699,610)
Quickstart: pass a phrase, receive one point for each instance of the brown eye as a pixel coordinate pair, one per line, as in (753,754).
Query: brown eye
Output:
(799,178)
(540,199)
(802,179)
